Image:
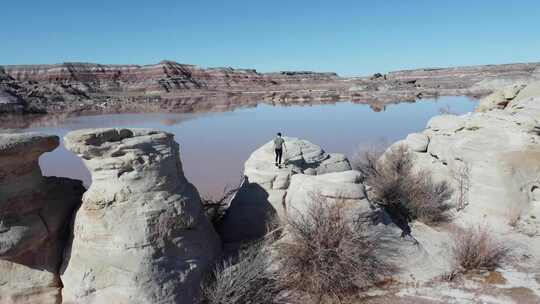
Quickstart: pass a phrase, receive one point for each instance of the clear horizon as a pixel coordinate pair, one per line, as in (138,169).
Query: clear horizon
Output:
(351,38)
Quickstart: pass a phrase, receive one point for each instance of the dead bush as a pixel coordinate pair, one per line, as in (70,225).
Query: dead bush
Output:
(324,253)
(462,179)
(476,249)
(406,195)
(244,279)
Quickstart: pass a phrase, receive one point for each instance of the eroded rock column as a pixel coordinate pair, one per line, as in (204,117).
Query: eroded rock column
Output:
(34,216)
(141,235)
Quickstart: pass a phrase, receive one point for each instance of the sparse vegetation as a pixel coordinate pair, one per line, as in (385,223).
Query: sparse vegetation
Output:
(462,179)
(406,194)
(245,279)
(325,254)
(476,249)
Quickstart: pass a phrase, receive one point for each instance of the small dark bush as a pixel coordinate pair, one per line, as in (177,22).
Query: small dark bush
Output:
(324,253)
(475,249)
(403,192)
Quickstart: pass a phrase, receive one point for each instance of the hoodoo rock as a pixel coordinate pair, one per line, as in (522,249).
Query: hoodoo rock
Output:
(262,195)
(34,216)
(140,235)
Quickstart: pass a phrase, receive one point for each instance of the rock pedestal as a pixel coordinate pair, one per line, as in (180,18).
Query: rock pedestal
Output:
(140,235)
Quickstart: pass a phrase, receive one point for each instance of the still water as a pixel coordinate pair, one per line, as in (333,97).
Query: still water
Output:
(214,146)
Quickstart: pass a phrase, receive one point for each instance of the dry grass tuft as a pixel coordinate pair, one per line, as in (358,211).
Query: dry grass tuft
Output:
(476,249)
(406,195)
(325,254)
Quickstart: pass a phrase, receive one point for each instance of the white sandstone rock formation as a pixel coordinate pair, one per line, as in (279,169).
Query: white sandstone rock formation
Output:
(342,187)
(418,257)
(497,152)
(34,215)
(140,235)
(311,174)
(263,192)
(499,98)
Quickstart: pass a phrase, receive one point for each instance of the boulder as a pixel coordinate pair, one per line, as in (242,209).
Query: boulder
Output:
(140,235)
(499,98)
(531,90)
(417,142)
(34,216)
(262,195)
(344,187)
(445,123)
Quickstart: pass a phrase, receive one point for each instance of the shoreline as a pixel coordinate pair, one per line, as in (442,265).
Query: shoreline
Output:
(85,89)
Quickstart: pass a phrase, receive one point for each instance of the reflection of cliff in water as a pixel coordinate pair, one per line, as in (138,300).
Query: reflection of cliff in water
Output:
(187,106)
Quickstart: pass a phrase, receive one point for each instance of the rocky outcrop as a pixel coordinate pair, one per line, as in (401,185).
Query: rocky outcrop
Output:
(495,154)
(34,216)
(140,235)
(262,195)
(500,98)
(418,257)
(339,187)
(311,174)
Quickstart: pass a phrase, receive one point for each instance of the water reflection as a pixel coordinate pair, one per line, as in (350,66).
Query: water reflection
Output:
(214,146)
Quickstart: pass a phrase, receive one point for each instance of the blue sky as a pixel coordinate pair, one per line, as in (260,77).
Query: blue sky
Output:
(348,37)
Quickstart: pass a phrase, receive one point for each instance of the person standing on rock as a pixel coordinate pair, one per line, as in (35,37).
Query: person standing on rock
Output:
(279,145)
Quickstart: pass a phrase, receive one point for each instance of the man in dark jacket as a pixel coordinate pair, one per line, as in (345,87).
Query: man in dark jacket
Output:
(279,145)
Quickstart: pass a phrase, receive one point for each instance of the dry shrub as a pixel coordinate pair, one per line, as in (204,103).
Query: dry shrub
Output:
(324,253)
(244,279)
(476,249)
(406,195)
(462,179)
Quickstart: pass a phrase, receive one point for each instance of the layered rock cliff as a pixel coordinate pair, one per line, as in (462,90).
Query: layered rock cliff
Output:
(140,235)
(78,88)
(34,217)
